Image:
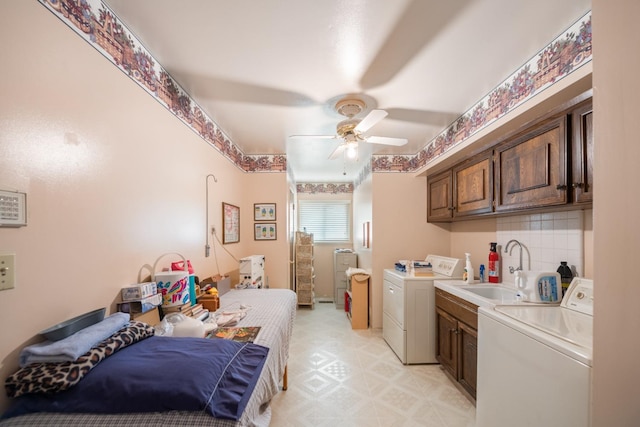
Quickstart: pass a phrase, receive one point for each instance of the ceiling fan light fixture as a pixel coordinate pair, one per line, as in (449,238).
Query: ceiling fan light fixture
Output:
(350,107)
(352,150)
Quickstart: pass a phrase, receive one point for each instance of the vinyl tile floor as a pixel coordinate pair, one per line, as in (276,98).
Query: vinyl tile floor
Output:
(343,377)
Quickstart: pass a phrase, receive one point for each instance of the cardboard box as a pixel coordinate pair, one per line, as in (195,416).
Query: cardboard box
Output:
(151,317)
(141,306)
(139,291)
(210,302)
(222,283)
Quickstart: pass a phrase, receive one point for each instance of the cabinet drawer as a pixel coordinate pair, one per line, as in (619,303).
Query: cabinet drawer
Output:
(457,307)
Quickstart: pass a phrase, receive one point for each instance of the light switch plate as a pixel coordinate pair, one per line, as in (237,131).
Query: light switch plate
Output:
(7,271)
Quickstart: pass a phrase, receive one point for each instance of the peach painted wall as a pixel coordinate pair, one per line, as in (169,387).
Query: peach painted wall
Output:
(473,237)
(616,229)
(399,229)
(113,180)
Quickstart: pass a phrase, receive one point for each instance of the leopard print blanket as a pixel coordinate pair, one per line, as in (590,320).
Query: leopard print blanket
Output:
(55,377)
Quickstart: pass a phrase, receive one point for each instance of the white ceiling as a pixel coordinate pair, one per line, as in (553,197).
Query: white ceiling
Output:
(265,70)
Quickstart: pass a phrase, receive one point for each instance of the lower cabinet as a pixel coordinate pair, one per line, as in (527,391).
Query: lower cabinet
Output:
(457,350)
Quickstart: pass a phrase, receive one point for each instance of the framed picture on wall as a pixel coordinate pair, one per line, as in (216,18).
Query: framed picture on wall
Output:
(265,231)
(264,211)
(230,223)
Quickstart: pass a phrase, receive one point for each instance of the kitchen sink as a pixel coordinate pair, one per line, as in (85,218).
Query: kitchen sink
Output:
(492,292)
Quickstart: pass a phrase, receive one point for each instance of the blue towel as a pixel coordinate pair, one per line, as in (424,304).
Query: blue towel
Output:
(72,347)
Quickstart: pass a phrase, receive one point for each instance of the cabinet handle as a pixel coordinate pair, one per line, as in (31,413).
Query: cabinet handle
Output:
(451,208)
(561,187)
(577,185)
(455,331)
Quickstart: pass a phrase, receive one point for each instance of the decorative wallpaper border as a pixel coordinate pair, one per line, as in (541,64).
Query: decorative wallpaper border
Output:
(324,187)
(100,27)
(558,59)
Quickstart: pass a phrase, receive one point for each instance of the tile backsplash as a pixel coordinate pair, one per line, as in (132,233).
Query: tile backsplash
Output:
(546,239)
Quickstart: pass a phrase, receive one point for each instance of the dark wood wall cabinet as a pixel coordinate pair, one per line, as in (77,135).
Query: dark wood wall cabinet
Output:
(547,165)
(531,169)
(582,151)
(457,342)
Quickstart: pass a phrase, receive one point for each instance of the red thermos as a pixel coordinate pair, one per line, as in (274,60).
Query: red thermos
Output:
(494,264)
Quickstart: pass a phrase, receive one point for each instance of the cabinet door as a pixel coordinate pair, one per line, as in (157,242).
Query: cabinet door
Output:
(468,358)
(473,186)
(447,351)
(440,197)
(582,151)
(531,169)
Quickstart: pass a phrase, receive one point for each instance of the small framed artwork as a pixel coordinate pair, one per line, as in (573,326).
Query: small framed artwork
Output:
(265,231)
(230,223)
(264,211)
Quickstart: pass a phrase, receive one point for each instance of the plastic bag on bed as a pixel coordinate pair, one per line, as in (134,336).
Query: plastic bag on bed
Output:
(164,328)
(184,326)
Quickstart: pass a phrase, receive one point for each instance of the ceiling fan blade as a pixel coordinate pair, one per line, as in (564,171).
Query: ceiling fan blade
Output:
(434,118)
(314,136)
(370,120)
(337,152)
(230,90)
(417,26)
(386,140)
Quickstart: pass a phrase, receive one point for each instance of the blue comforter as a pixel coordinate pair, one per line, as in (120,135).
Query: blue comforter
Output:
(216,376)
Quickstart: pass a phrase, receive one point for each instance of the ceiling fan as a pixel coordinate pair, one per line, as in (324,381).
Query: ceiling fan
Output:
(352,129)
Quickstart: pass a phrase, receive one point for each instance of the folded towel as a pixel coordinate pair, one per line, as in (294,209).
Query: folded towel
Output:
(351,271)
(72,347)
(230,318)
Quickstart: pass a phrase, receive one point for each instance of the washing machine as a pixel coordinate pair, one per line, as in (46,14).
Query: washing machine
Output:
(535,362)
(409,309)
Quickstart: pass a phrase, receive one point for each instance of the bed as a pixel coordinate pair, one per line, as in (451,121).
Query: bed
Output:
(271,309)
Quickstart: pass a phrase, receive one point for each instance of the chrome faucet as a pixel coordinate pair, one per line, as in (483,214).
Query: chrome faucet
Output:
(506,249)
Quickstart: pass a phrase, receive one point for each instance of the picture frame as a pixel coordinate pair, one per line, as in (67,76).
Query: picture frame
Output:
(265,231)
(264,211)
(230,223)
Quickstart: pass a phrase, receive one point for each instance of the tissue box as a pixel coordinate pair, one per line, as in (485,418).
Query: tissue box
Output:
(139,291)
(141,306)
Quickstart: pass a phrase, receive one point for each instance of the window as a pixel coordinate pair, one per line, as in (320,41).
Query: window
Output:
(328,220)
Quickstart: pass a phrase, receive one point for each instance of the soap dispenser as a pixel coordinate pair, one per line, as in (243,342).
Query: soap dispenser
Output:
(468,268)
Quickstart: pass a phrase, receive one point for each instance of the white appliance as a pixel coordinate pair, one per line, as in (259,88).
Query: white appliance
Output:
(409,309)
(534,362)
(252,271)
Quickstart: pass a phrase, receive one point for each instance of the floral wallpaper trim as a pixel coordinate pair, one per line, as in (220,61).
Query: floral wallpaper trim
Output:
(557,60)
(324,187)
(97,24)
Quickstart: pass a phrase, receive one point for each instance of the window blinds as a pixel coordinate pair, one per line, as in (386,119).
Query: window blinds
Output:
(328,220)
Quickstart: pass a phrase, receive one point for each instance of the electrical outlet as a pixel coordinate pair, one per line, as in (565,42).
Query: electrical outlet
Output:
(7,271)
